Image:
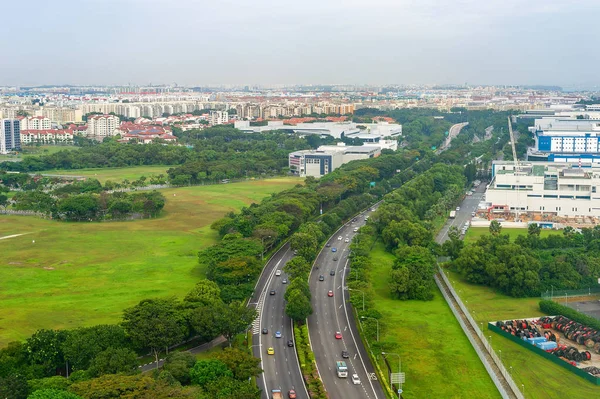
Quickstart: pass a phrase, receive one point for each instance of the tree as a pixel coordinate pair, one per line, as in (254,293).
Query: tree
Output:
(297,267)
(534,229)
(241,363)
(83,344)
(205,321)
(419,264)
(206,371)
(235,319)
(178,364)
(298,307)
(53,394)
(113,361)
(298,283)
(305,244)
(44,348)
(155,324)
(495,228)
(454,244)
(229,388)
(13,386)
(79,207)
(205,292)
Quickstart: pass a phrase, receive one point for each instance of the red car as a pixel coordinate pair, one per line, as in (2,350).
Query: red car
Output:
(338,335)
(292,394)
(330,293)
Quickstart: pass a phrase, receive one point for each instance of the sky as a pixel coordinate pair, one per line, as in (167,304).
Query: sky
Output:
(209,42)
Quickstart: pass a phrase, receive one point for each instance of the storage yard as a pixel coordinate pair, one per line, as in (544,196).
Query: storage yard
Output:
(566,342)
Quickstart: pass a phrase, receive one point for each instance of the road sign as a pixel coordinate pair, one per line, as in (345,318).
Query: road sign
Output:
(373,376)
(397,378)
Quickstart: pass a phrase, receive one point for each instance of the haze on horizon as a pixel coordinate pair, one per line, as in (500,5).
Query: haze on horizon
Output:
(188,42)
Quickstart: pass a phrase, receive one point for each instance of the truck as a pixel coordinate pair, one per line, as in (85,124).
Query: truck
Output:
(342,369)
(452,214)
(276,394)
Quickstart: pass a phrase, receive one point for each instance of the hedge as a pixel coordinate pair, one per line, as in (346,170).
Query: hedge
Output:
(553,308)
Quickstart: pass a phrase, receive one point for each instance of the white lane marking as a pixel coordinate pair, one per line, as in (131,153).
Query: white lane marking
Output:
(12,236)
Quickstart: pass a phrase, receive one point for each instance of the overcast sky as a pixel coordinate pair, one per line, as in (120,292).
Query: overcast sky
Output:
(198,42)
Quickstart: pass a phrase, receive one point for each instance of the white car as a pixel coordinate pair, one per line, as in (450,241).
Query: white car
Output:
(347,240)
(355,379)
(457,208)
(278,273)
(340,238)
(356,229)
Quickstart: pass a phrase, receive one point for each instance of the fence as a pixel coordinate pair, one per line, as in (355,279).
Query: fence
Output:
(23,213)
(516,392)
(559,295)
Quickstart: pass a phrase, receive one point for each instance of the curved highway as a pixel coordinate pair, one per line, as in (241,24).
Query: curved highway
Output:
(333,314)
(281,370)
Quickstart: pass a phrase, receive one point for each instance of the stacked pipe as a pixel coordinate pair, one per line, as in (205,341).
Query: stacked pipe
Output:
(519,328)
(576,332)
(571,353)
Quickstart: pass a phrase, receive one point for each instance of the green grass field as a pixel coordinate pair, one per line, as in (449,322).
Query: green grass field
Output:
(540,377)
(81,274)
(437,357)
(474,233)
(114,174)
(41,150)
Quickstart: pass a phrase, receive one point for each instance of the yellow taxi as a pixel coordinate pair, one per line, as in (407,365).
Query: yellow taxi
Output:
(270,351)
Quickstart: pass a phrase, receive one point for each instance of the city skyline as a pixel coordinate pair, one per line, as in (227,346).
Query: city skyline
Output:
(117,42)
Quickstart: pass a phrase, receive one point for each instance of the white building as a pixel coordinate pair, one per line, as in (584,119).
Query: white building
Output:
(35,123)
(49,136)
(562,139)
(219,117)
(549,188)
(100,126)
(10,135)
(325,159)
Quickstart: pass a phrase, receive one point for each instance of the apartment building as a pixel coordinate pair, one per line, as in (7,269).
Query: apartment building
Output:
(47,136)
(34,123)
(10,135)
(550,188)
(100,126)
(219,117)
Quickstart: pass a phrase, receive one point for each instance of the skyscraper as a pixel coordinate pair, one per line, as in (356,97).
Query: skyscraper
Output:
(10,135)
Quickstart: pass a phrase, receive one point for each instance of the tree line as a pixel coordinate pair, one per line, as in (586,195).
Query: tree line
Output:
(102,361)
(531,264)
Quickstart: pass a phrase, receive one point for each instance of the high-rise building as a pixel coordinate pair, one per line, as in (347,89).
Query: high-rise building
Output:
(10,135)
(100,126)
(219,117)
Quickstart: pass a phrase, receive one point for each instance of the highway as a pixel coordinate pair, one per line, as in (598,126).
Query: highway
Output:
(281,370)
(452,133)
(333,314)
(467,207)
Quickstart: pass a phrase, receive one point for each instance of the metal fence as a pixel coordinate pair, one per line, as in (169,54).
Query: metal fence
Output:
(561,295)
(486,343)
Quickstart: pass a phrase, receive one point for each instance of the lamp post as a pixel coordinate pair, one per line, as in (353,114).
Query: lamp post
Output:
(363,295)
(377,321)
(399,365)
(262,254)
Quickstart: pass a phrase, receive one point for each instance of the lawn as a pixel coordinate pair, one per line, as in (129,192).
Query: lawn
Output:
(540,377)
(437,357)
(35,150)
(80,274)
(474,233)
(130,173)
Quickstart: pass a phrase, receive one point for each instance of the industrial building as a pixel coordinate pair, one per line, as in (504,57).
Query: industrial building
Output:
(549,189)
(327,158)
(565,140)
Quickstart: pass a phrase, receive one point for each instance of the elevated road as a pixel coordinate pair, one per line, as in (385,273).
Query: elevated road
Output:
(281,370)
(452,133)
(334,314)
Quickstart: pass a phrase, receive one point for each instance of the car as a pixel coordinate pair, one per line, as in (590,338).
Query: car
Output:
(290,343)
(340,238)
(277,334)
(327,245)
(278,273)
(355,379)
(345,355)
(265,330)
(295,252)
(457,208)
(347,240)
(321,277)
(354,219)
(356,229)
(473,214)
(330,293)
(291,394)
(332,272)
(272,292)
(334,249)
(284,281)
(270,351)
(335,258)
(338,335)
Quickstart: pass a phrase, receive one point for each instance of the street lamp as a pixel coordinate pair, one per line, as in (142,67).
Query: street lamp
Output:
(377,321)
(262,254)
(399,366)
(363,295)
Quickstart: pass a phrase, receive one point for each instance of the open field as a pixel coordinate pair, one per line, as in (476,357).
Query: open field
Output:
(474,233)
(115,174)
(436,355)
(80,274)
(540,377)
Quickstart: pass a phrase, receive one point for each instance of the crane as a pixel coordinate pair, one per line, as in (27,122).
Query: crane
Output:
(517,166)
